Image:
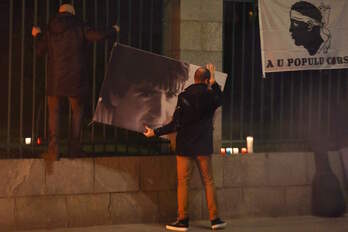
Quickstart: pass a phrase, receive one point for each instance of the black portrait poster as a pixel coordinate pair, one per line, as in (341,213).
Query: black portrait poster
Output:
(142,88)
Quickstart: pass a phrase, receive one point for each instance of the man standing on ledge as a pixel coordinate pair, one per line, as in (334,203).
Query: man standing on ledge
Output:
(65,41)
(193,122)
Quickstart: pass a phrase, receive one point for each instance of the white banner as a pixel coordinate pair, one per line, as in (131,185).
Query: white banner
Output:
(303,35)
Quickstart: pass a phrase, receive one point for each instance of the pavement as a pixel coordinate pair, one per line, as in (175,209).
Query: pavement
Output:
(278,224)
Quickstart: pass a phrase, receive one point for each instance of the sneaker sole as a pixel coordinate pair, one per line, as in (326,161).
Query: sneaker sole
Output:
(176,228)
(219,226)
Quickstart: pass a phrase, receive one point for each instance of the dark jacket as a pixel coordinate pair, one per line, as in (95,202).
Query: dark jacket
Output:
(193,120)
(65,41)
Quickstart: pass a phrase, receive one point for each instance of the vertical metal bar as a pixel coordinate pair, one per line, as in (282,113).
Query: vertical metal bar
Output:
(281,110)
(310,102)
(129,22)
(320,97)
(253,41)
(9,76)
(94,67)
(241,120)
(118,39)
(106,52)
(84,10)
(262,108)
(46,72)
(292,112)
(129,43)
(141,21)
(22,79)
(301,116)
(34,79)
(232,68)
(338,86)
(151,26)
(329,101)
(272,105)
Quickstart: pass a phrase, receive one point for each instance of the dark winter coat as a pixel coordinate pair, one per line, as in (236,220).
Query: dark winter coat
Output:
(65,41)
(193,120)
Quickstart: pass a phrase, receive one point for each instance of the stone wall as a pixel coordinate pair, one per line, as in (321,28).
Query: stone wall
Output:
(84,192)
(193,32)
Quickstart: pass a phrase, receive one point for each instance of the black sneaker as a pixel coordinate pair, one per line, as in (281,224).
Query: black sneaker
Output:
(179,225)
(217,224)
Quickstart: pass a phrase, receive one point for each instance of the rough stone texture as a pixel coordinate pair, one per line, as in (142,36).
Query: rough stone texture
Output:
(171,29)
(23,177)
(134,207)
(117,175)
(202,10)
(298,200)
(285,169)
(7,208)
(190,35)
(87,210)
(218,170)
(195,206)
(264,201)
(158,173)
(167,206)
(71,177)
(253,172)
(310,167)
(211,36)
(41,212)
(229,202)
(232,171)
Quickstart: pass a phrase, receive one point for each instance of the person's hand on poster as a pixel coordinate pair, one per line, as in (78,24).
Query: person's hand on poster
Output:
(211,68)
(149,132)
(116,27)
(35,31)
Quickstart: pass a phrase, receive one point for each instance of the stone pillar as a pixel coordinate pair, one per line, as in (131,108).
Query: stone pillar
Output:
(192,32)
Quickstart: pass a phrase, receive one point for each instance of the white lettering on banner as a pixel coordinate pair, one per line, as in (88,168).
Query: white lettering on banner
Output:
(303,35)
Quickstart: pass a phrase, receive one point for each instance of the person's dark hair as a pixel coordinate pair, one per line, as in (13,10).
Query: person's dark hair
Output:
(308,9)
(202,74)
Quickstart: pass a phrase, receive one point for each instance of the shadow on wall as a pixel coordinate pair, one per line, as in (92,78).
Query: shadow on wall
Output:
(327,195)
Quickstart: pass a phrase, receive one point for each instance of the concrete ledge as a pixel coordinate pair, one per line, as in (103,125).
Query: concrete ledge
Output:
(85,192)
(134,207)
(158,173)
(21,177)
(71,177)
(41,212)
(88,210)
(7,214)
(117,175)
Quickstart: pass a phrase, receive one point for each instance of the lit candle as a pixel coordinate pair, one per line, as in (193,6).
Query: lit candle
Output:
(229,150)
(250,144)
(244,150)
(235,150)
(223,151)
(27,140)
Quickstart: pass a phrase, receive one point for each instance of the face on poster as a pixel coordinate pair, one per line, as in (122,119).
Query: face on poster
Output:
(142,88)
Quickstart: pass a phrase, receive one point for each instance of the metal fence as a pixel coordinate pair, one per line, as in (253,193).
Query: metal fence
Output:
(281,110)
(24,104)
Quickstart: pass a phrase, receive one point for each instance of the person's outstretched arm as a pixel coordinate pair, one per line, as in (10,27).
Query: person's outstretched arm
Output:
(41,42)
(172,126)
(93,35)
(217,93)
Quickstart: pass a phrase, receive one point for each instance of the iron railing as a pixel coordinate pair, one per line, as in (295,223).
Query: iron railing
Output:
(24,104)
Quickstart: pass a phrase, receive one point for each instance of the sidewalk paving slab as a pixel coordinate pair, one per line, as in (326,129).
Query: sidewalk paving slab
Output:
(278,224)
